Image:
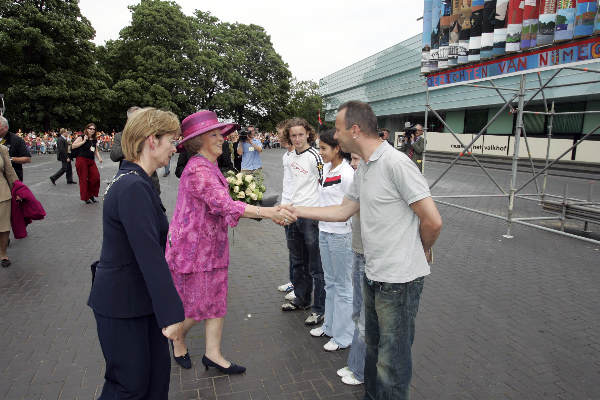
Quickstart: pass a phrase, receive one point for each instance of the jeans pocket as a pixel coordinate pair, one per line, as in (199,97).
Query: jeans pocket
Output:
(392,288)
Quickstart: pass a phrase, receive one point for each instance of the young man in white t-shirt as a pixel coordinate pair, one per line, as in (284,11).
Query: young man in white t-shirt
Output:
(303,235)
(286,197)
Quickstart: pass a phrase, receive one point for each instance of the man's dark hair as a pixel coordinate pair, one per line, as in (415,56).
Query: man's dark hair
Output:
(361,114)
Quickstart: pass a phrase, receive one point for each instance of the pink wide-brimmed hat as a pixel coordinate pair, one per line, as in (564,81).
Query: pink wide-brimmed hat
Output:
(201,122)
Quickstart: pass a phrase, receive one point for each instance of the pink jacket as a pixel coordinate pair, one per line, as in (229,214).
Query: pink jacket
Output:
(197,239)
(25,210)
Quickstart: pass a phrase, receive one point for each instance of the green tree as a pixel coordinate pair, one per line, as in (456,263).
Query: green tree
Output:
(152,62)
(48,71)
(305,101)
(239,73)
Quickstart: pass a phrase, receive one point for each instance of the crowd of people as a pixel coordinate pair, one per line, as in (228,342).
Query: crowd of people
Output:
(347,196)
(47,142)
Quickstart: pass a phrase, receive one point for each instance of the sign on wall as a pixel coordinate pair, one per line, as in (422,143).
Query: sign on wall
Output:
(586,50)
(470,31)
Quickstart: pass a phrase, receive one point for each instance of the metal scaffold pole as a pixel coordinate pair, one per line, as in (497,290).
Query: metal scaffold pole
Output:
(425,128)
(515,162)
(551,120)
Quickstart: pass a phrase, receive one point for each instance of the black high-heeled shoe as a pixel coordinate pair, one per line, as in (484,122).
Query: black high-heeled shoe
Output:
(184,361)
(232,369)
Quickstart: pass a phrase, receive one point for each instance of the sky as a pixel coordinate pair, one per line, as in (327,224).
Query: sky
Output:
(315,38)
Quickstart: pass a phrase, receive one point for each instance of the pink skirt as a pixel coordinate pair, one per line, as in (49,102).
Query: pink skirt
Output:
(204,294)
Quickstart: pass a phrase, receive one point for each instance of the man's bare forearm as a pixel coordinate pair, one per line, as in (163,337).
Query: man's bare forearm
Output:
(339,213)
(429,233)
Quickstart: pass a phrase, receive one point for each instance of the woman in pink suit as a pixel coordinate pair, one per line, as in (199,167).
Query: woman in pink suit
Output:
(197,244)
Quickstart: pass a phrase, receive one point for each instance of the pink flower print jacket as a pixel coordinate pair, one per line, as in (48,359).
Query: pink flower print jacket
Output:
(197,239)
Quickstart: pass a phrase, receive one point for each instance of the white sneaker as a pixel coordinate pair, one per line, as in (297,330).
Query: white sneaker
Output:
(332,346)
(313,319)
(342,372)
(351,380)
(285,287)
(318,332)
(290,296)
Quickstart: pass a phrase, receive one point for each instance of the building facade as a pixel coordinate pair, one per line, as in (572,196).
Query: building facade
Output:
(392,83)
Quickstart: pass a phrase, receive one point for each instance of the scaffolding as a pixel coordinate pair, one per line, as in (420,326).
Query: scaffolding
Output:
(563,206)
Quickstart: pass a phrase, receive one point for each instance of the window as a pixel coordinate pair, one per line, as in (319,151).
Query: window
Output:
(475,120)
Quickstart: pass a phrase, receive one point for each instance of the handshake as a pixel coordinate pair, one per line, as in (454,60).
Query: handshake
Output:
(284,215)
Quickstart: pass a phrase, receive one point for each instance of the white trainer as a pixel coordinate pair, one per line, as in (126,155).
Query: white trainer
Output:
(285,287)
(342,372)
(290,296)
(332,346)
(351,380)
(318,332)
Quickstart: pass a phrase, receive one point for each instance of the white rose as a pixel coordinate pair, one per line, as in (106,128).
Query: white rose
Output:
(253,196)
(249,178)
(230,179)
(239,176)
(248,192)
(236,189)
(241,195)
(252,186)
(238,182)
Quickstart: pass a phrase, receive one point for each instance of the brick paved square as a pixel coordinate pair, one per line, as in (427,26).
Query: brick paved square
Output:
(499,319)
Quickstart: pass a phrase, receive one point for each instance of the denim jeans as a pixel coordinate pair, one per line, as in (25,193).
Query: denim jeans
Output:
(336,258)
(390,312)
(303,244)
(358,349)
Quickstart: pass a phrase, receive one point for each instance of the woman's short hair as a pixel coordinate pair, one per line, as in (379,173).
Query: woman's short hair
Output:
(144,123)
(299,122)
(327,138)
(193,145)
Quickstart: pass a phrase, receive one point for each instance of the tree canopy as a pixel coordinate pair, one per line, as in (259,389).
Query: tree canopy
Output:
(53,75)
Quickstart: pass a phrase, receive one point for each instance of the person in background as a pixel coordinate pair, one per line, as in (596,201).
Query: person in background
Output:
(116,152)
(353,373)
(62,155)
(250,149)
(135,303)
(86,146)
(197,242)
(17,149)
(237,158)
(413,145)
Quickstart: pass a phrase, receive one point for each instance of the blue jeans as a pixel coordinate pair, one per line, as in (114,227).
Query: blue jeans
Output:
(303,244)
(358,349)
(336,258)
(390,312)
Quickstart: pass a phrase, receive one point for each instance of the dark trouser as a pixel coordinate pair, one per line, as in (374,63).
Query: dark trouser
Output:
(66,167)
(138,363)
(303,244)
(89,178)
(390,312)
(289,255)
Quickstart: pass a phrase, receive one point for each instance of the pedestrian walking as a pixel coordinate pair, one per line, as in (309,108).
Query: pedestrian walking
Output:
(62,155)
(197,244)
(86,147)
(135,304)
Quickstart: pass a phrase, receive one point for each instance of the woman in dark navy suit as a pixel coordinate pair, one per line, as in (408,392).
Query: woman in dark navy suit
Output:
(135,303)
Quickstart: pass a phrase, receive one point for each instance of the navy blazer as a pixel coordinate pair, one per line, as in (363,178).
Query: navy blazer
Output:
(132,278)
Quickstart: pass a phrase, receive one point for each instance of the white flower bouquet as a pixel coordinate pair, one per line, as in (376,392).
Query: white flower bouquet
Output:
(244,187)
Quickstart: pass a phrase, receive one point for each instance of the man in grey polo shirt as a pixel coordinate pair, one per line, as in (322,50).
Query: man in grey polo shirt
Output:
(399,224)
